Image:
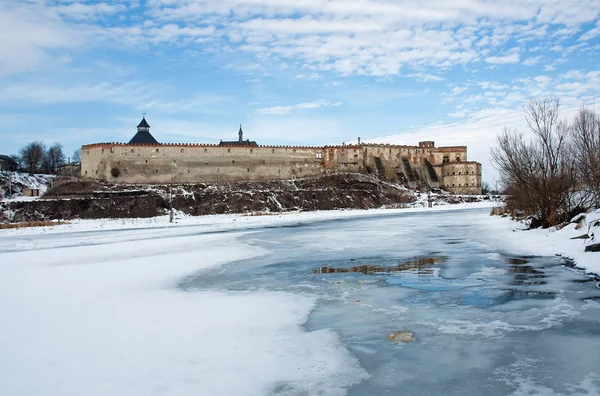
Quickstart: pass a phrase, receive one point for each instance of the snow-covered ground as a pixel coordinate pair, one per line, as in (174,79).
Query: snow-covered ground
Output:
(16,182)
(93,307)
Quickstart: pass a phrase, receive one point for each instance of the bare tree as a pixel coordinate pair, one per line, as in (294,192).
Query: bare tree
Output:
(32,156)
(76,159)
(54,158)
(485,188)
(586,154)
(538,174)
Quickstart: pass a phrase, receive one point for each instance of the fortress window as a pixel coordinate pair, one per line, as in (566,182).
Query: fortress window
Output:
(319,155)
(467,184)
(181,150)
(205,150)
(251,150)
(157,150)
(446,159)
(295,150)
(132,150)
(453,173)
(86,173)
(88,152)
(457,159)
(233,162)
(156,171)
(229,150)
(102,151)
(272,150)
(96,171)
(248,170)
(146,161)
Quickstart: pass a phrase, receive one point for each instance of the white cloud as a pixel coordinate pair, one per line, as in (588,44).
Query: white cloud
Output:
(590,34)
(282,110)
(511,56)
(532,61)
(425,77)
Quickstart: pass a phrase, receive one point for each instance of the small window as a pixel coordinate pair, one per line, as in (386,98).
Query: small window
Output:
(233,162)
(156,171)
(251,150)
(157,150)
(319,155)
(205,150)
(86,173)
(181,151)
(146,161)
(132,150)
(229,150)
(102,151)
(88,152)
(453,173)
(248,170)
(272,150)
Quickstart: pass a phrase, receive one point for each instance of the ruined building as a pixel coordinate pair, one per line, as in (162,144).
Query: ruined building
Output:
(144,160)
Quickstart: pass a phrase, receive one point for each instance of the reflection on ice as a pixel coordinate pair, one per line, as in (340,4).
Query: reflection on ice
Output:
(422,263)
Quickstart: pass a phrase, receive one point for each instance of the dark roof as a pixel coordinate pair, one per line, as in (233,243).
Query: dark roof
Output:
(143,123)
(238,143)
(143,137)
(8,161)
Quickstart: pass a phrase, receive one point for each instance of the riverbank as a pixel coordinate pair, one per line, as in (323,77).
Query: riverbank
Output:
(513,235)
(87,199)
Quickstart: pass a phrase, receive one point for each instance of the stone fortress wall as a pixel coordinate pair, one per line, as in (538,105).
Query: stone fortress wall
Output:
(144,160)
(442,167)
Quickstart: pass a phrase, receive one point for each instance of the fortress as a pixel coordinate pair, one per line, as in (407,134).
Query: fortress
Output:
(144,160)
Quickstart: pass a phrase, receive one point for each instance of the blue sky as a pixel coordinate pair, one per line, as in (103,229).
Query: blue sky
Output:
(305,72)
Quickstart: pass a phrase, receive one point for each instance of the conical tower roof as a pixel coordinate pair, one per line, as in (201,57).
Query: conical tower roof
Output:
(143,135)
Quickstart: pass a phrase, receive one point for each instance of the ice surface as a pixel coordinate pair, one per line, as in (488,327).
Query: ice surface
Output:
(230,305)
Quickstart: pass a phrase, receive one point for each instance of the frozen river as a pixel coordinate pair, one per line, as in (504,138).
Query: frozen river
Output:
(485,320)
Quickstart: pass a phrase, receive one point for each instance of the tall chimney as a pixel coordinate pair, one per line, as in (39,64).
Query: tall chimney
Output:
(359,140)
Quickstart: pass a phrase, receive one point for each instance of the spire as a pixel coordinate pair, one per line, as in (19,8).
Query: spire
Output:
(143,125)
(241,134)
(143,135)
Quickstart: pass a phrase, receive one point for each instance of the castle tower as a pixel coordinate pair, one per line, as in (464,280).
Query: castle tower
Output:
(143,135)
(241,134)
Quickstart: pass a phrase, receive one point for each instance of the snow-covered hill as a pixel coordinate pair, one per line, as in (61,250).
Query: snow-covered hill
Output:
(16,182)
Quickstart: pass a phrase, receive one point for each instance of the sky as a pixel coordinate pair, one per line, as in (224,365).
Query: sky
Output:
(294,72)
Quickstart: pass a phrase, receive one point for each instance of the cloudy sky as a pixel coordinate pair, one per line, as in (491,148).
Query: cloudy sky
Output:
(291,71)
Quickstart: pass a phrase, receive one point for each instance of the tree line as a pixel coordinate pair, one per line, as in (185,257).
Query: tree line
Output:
(36,157)
(554,175)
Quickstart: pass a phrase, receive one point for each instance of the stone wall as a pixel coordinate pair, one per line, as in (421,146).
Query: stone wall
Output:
(158,164)
(193,163)
(462,177)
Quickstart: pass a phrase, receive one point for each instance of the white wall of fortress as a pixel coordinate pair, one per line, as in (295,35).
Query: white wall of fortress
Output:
(193,163)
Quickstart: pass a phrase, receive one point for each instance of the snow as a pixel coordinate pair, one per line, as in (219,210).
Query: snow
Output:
(20,181)
(506,234)
(109,319)
(94,307)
